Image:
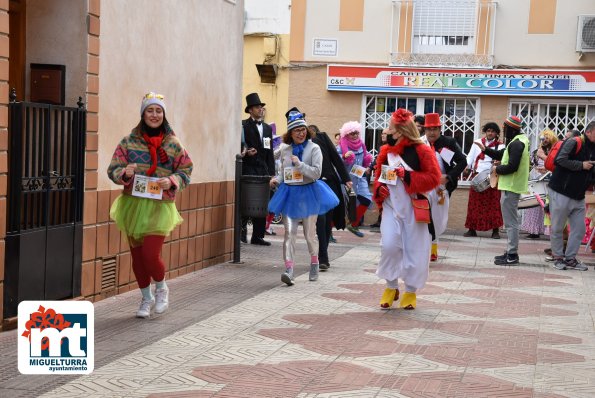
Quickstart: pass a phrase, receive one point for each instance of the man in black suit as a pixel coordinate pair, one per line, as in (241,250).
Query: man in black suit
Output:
(257,148)
(453,168)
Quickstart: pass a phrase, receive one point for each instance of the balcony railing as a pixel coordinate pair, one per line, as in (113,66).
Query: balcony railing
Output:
(437,33)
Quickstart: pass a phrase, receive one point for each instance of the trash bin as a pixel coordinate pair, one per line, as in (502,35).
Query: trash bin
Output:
(254,196)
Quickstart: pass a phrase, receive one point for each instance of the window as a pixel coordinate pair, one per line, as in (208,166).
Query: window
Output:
(444,27)
(556,116)
(377,116)
(458,115)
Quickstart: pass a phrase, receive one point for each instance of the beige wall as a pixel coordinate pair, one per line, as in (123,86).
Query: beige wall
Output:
(493,109)
(515,46)
(190,53)
(273,95)
(327,109)
(48,45)
(371,45)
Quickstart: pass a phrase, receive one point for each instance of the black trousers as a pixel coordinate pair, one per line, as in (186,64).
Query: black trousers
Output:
(323,230)
(258,226)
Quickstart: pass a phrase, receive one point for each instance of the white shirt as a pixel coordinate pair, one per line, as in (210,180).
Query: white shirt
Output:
(259,127)
(482,164)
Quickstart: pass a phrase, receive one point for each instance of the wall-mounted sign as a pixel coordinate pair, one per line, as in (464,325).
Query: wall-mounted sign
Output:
(569,83)
(325,47)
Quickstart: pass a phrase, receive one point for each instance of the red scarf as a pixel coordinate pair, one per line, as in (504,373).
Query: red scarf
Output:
(482,155)
(154,144)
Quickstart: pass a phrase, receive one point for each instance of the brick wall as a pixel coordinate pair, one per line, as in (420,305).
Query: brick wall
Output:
(203,239)
(3,138)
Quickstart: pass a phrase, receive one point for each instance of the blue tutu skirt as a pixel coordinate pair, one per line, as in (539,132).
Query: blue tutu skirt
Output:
(301,201)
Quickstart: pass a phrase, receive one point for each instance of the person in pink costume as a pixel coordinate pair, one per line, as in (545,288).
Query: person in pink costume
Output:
(356,159)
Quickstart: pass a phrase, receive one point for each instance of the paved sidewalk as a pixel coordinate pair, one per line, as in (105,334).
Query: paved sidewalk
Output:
(480,330)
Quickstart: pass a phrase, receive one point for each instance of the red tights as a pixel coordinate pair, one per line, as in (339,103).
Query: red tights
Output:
(146,260)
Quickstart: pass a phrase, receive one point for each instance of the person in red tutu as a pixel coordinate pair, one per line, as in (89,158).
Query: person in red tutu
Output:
(483,208)
(406,167)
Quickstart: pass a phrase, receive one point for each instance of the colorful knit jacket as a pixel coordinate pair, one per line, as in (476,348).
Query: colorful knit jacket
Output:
(134,149)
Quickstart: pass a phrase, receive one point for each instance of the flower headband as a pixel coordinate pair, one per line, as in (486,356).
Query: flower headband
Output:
(401,116)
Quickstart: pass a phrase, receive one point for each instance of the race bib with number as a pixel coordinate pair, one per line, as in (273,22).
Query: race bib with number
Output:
(357,171)
(292,175)
(388,175)
(146,187)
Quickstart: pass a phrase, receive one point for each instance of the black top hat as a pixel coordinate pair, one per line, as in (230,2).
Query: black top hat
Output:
(294,109)
(252,100)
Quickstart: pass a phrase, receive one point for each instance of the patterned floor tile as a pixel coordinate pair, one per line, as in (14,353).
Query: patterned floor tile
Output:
(479,331)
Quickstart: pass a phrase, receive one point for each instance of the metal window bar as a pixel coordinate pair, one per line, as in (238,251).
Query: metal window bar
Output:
(558,117)
(47,162)
(458,117)
(444,33)
(444,23)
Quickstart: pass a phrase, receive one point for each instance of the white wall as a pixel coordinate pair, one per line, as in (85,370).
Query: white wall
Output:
(190,53)
(271,16)
(66,45)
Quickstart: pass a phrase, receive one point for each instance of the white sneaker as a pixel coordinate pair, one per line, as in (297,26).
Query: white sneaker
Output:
(144,311)
(287,276)
(161,300)
(313,272)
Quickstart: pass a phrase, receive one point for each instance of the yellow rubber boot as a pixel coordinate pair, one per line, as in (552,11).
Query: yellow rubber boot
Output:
(409,301)
(434,252)
(388,297)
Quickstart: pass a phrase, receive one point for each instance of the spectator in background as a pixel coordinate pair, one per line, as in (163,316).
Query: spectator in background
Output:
(258,159)
(356,159)
(452,162)
(334,175)
(373,170)
(572,133)
(570,179)
(533,218)
(268,229)
(483,208)
(420,120)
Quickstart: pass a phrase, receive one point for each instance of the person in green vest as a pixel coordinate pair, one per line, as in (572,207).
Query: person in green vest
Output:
(513,173)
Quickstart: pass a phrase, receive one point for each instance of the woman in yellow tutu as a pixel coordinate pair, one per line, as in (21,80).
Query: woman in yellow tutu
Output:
(153,166)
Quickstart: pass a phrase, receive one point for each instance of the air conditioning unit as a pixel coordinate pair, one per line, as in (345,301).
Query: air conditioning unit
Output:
(585,35)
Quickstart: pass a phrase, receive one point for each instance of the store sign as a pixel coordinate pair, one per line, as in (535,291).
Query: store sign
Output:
(507,82)
(324,47)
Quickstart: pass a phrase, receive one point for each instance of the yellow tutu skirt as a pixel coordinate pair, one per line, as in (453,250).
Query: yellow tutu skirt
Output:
(137,217)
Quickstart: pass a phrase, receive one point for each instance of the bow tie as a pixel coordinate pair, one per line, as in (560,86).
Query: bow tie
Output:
(258,122)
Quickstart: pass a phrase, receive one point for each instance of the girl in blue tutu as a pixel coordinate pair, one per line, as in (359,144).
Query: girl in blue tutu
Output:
(300,195)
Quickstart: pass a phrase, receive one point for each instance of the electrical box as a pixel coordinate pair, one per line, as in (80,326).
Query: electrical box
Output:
(48,83)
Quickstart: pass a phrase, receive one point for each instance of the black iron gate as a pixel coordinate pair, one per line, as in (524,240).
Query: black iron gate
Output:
(45,203)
